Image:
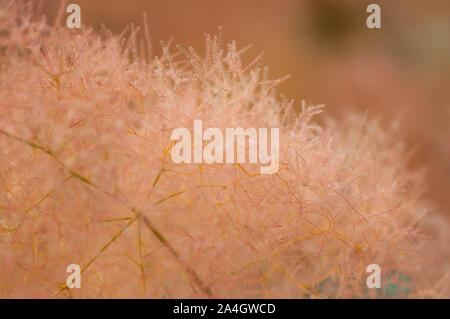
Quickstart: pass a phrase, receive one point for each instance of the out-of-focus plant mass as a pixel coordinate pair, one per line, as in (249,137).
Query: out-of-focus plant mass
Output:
(86,178)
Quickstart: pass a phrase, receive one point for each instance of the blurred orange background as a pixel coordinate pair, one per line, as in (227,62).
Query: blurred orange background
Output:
(400,72)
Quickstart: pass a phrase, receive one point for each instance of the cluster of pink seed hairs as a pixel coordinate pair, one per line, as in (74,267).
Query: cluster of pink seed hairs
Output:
(86,178)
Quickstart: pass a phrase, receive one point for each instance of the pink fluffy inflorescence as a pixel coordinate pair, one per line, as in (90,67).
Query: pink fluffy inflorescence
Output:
(86,178)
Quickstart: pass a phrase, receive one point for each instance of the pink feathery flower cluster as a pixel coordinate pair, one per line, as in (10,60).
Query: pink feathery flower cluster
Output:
(87,178)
